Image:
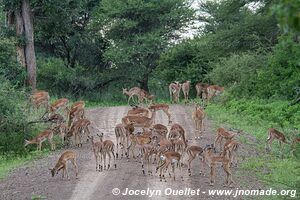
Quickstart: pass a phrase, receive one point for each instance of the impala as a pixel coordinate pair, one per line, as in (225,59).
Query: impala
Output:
(213,160)
(139,121)
(170,157)
(174,89)
(80,104)
(192,152)
(121,138)
(40,138)
(223,133)
(61,130)
(160,130)
(97,150)
(275,134)
(232,147)
(214,90)
(186,89)
(163,107)
(148,150)
(138,141)
(198,117)
(201,89)
(108,148)
(62,164)
(138,111)
(140,93)
(177,131)
(79,128)
(40,98)
(75,114)
(59,104)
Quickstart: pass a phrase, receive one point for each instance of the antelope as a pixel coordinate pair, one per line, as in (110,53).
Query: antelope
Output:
(214,90)
(201,89)
(170,157)
(56,118)
(222,133)
(163,107)
(40,138)
(40,98)
(177,131)
(75,114)
(60,129)
(108,147)
(198,117)
(121,137)
(186,90)
(179,146)
(78,128)
(146,96)
(80,104)
(138,141)
(58,104)
(213,160)
(232,147)
(192,152)
(138,111)
(140,93)
(97,150)
(174,89)
(148,150)
(139,121)
(62,164)
(160,130)
(275,134)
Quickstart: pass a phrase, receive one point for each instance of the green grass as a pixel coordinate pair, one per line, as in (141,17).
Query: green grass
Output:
(9,163)
(270,168)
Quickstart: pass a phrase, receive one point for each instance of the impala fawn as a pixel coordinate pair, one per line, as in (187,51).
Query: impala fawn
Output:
(62,164)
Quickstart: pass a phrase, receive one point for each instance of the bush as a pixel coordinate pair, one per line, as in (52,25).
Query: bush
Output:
(13,118)
(9,68)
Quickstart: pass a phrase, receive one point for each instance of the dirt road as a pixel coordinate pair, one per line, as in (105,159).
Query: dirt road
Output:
(34,180)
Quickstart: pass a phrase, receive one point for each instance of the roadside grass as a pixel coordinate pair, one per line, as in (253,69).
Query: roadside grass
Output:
(8,163)
(270,168)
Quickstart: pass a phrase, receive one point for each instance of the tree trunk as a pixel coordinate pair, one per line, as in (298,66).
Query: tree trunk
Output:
(20,32)
(29,46)
(144,82)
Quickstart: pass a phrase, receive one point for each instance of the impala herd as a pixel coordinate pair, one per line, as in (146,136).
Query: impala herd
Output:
(158,147)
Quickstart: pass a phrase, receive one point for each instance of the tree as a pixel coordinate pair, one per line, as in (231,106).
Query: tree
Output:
(139,31)
(19,13)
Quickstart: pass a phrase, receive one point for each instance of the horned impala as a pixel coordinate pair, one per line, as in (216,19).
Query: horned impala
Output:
(198,117)
(186,89)
(40,138)
(162,107)
(213,160)
(174,89)
(62,164)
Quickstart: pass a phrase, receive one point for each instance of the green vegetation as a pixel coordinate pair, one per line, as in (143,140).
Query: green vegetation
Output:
(90,50)
(254,118)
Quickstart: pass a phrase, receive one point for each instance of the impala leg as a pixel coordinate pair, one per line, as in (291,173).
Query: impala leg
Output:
(212,174)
